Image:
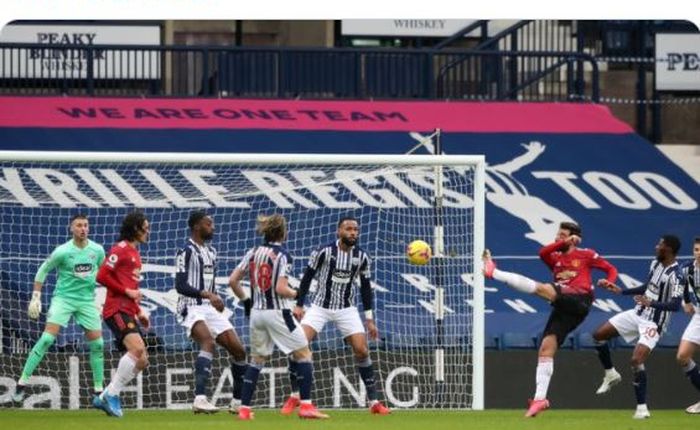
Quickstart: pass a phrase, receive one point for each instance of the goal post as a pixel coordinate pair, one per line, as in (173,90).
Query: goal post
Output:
(431,318)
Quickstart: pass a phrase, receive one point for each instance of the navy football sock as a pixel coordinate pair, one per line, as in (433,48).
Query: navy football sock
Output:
(250,381)
(202,373)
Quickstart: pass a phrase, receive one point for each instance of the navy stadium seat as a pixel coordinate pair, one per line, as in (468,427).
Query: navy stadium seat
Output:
(669,340)
(518,340)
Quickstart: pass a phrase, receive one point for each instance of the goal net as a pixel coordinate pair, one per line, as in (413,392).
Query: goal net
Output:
(430,318)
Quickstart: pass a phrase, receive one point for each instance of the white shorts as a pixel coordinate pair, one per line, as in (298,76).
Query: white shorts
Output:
(692,332)
(631,327)
(217,322)
(272,327)
(347,320)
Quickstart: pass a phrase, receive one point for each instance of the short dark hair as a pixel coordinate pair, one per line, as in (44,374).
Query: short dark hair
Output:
(131,225)
(697,239)
(79,215)
(673,242)
(572,227)
(346,218)
(196,217)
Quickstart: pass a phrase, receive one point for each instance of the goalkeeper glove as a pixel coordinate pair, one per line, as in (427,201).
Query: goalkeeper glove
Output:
(247,306)
(34,309)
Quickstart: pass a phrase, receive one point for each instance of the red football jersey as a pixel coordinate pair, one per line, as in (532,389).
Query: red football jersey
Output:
(120,271)
(572,270)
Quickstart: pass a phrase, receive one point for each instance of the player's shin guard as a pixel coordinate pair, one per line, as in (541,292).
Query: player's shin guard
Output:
(640,385)
(238,369)
(604,354)
(545,369)
(250,381)
(293,381)
(693,373)
(36,355)
(126,370)
(305,377)
(516,281)
(202,373)
(366,371)
(97,363)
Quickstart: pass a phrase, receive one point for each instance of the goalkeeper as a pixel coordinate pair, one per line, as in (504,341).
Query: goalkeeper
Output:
(74,296)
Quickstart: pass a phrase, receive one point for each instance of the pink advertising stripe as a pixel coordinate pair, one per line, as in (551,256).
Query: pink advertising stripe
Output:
(477,117)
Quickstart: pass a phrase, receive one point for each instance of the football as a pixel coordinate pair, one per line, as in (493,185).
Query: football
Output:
(418,252)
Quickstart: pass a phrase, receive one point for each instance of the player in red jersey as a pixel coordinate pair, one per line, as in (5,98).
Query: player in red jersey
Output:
(120,274)
(570,294)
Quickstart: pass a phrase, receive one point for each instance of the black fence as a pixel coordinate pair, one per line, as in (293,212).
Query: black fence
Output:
(310,73)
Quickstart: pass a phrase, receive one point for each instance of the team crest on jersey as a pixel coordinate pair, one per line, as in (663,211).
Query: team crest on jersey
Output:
(355,261)
(575,263)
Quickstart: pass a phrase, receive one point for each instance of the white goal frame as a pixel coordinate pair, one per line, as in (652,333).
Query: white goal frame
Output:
(436,161)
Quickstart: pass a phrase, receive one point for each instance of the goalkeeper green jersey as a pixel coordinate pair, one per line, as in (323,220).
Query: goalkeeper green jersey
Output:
(77,268)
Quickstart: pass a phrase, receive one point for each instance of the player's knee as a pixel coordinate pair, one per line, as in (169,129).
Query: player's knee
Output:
(238,355)
(207,345)
(258,360)
(361,353)
(682,358)
(46,340)
(139,353)
(599,335)
(636,363)
(97,345)
(303,354)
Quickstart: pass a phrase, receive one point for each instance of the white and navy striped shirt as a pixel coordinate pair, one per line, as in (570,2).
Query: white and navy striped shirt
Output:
(195,268)
(336,271)
(265,265)
(690,281)
(662,286)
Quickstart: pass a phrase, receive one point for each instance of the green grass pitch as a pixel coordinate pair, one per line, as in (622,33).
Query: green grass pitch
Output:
(400,420)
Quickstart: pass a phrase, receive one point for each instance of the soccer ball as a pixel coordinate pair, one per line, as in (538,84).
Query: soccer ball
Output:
(418,252)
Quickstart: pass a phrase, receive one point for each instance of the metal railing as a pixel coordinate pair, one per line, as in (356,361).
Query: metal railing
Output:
(311,73)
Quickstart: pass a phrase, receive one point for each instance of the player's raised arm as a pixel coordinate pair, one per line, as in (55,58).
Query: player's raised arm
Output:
(602,264)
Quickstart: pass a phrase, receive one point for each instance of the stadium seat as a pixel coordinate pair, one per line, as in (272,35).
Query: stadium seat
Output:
(585,340)
(669,340)
(571,342)
(492,342)
(518,340)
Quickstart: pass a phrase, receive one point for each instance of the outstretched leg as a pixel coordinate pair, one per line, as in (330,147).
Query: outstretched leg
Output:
(517,281)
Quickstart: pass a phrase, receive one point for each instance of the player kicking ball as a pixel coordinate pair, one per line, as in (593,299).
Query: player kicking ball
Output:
(570,295)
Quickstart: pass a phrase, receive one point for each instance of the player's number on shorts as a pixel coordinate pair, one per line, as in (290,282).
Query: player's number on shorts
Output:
(263,277)
(650,332)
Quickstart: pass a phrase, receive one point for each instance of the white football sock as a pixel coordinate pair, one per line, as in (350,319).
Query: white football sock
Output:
(516,281)
(545,368)
(125,373)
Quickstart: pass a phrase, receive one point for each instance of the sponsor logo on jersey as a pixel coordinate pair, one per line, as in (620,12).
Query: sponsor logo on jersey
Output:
(82,270)
(341,276)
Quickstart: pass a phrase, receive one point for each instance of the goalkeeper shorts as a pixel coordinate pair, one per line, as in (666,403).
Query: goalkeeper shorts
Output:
(85,313)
